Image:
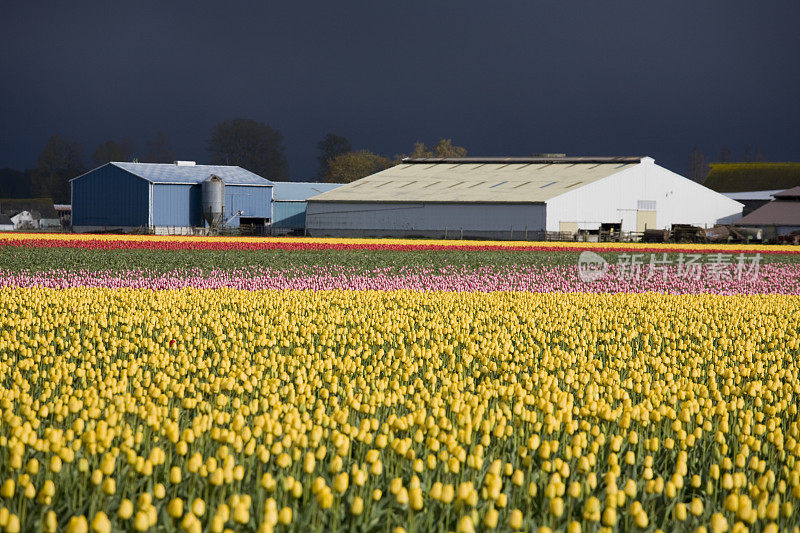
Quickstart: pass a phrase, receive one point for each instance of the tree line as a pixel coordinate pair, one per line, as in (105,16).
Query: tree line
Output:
(250,144)
(699,163)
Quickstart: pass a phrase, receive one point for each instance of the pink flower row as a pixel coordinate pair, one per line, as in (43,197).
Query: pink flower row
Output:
(774,278)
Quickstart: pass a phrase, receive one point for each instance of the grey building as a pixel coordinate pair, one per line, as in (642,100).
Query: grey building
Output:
(289,200)
(516,198)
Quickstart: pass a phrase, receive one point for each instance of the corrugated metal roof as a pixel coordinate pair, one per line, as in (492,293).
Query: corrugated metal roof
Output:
(171,173)
(299,191)
(777,213)
(475,181)
(794,192)
(752,195)
(533,159)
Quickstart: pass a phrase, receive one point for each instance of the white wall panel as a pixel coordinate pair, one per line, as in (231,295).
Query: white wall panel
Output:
(616,198)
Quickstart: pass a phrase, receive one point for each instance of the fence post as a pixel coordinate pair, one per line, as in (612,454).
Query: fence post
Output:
(462,233)
(445,233)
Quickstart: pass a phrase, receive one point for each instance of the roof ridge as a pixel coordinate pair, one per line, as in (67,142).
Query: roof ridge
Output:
(512,160)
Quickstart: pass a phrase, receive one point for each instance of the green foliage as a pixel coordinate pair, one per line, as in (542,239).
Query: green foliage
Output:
(352,166)
(742,177)
(444,148)
(160,261)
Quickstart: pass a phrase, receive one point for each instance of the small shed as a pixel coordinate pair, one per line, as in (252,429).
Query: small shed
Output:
(289,203)
(778,217)
(25,220)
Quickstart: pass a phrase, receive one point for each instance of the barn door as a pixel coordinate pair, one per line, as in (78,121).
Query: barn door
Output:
(645,220)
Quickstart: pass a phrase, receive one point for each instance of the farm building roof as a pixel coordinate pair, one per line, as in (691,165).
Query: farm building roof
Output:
(794,192)
(484,180)
(299,191)
(777,213)
(175,174)
(742,177)
(752,195)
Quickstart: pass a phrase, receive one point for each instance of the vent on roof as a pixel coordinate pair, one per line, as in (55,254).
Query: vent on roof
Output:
(523,184)
(432,184)
(457,184)
(574,184)
(497,184)
(548,184)
(185,163)
(477,184)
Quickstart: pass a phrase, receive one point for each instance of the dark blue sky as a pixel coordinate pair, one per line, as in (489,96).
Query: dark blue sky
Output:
(500,78)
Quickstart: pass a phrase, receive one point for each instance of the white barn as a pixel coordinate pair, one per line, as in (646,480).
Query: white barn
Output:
(516,197)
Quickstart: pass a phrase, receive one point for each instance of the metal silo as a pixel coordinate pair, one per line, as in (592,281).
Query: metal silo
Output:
(213,198)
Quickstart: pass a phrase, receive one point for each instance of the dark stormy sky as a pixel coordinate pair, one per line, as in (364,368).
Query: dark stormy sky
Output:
(517,77)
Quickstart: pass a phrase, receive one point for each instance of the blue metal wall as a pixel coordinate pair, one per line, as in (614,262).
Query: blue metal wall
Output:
(288,215)
(177,205)
(109,196)
(251,201)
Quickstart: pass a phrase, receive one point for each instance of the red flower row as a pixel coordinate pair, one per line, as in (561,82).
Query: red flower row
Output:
(187,243)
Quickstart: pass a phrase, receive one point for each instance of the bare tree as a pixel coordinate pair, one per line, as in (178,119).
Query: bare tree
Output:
(698,168)
(329,147)
(112,151)
(59,162)
(159,150)
(252,145)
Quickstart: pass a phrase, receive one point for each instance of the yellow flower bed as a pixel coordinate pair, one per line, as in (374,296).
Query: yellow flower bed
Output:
(206,410)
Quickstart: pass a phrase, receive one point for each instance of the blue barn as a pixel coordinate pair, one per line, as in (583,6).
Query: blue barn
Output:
(165,198)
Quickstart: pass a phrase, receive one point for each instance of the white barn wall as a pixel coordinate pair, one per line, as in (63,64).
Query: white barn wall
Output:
(423,219)
(615,199)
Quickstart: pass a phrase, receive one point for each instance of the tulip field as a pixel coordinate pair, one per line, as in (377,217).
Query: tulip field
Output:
(211,385)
